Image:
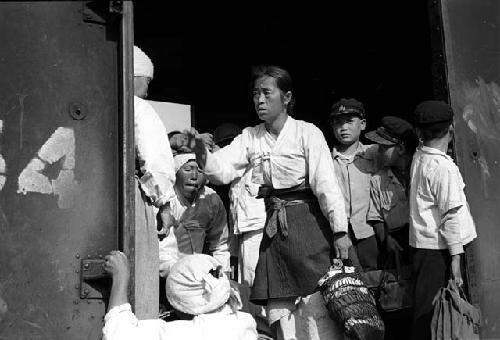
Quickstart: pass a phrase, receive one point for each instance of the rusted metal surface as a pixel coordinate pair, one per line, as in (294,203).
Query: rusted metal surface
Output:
(59,142)
(472,44)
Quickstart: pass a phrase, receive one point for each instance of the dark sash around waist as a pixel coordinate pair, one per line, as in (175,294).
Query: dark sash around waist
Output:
(277,200)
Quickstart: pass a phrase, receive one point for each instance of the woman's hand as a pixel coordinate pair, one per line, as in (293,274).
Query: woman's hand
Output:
(342,243)
(197,143)
(116,263)
(208,140)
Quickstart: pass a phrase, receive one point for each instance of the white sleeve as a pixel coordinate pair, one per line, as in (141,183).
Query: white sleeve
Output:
(121,324)
(323,181)
(230,162)
(153,153)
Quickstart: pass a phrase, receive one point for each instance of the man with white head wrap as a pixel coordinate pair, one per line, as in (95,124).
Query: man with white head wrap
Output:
(155,181)
(196,289)
(200,220)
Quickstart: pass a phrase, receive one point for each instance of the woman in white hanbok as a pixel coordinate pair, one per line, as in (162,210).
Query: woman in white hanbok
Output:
(306,225)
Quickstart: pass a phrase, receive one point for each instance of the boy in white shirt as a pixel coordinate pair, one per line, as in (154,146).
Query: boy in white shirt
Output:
(440,220)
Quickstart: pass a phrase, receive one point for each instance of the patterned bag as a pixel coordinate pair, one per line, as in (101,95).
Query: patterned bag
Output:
(350,303)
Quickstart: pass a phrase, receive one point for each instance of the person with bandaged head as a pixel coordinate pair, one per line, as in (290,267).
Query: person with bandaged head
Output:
(199,291)
(154,155)
(199,219)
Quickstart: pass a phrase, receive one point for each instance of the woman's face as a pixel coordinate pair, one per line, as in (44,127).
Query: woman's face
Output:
(141,85)
(189,180)
(269,101)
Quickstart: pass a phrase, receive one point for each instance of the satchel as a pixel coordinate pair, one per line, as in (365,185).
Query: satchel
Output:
(454,317)
(393,289)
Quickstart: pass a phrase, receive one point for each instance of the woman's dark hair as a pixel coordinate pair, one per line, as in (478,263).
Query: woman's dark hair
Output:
(283,80)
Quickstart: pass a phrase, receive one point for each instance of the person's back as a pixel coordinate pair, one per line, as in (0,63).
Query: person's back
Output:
(200,294)
(431,196)
(221,325)
(440,221)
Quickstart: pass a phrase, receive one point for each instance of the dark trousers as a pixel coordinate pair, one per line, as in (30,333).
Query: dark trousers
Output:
(364,252)
(431,271)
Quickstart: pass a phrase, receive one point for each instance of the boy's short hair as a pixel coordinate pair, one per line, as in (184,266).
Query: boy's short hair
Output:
(433,118)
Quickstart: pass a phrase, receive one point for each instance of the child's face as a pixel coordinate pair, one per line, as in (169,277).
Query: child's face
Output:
(347,128)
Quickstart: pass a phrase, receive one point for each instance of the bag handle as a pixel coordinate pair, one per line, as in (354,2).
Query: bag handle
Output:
(397,260)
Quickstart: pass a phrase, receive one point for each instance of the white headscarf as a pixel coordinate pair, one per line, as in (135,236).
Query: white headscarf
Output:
(183,158)
(192,289)
(143,66)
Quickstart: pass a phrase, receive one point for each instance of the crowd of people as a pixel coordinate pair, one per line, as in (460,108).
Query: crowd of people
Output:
(290,206)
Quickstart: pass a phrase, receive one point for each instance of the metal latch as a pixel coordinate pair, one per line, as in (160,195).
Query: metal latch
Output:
(95,282)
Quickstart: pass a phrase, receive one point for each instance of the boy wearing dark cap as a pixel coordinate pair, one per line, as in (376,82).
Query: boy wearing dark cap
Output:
(389,210)
(440,220)
(354,164)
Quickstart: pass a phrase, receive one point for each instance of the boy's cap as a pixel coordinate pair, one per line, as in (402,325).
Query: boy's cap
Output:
(347,106)
(393,131)
(432,112)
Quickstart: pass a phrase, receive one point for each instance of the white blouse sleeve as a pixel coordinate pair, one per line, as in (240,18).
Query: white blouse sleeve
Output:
(323,181)
(230,162)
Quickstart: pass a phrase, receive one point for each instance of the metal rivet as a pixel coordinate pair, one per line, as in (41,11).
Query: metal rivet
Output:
(86,291)
(86,266)
(77,111)
(77,256)
(89,256)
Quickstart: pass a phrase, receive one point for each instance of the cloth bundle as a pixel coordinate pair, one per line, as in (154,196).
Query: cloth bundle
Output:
(454,317)
(350,303)
(143,66)
(192,288)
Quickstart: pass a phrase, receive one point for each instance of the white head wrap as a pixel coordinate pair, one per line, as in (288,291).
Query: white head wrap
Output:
(192,289)
(143,66)
(183,158)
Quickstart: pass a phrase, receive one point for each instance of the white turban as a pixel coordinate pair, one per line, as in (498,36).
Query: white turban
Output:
(192,289)
(181,159)
(143,66)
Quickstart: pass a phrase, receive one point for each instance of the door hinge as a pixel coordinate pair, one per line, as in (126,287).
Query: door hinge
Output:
(95,282)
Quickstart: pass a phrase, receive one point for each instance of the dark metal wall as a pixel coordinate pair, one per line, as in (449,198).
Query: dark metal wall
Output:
(472,46)
(59,165)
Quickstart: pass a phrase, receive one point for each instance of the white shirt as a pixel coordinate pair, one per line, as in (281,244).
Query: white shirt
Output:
(153,153)
(122,324)
(247,211)
(299,155)
(436,189)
